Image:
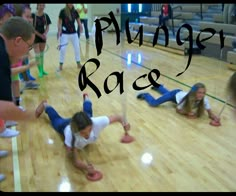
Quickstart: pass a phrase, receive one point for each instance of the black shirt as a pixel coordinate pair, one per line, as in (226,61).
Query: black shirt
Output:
(68,26)
(40,22)
(5,73)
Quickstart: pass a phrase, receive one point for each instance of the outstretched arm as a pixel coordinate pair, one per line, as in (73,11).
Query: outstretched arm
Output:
(9,111)
(121,120)
(73,153)
(212,116)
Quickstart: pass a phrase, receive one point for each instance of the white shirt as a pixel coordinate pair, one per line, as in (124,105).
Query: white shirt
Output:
(180,95)
(98,124)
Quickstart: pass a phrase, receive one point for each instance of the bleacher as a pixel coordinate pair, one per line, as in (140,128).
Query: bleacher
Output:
(199,17)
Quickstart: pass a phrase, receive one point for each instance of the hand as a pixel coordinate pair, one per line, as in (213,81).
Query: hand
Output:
(216,119)
(90,169)
(191,115)
(126,126)
(58,35)
(44,36)
(81,29)
(32,64)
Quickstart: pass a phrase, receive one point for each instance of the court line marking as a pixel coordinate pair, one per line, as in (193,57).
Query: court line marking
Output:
(141,65)
(16,168)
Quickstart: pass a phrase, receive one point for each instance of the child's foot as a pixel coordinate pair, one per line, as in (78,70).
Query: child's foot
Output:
(141,96)
(3,153)
(85,96)
(10,123)
(40,109)
(7,133)
(156,88)
(79,65)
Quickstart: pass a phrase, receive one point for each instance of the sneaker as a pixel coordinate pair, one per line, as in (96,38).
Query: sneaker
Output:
(31,85)
(3,153)
(10,123)
(85,95)
(21,107)
(140,96)
(156,88)
(2,177)
(7,133)
(31,78)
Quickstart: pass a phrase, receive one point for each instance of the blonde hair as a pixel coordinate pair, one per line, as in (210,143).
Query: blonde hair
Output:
(68,11)
(190,100)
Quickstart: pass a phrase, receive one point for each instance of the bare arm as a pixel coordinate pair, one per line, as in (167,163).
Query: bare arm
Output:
(73,154)
(212,116)
(9,111)
(59,24)
(80,25)
(21,69)
(121,120)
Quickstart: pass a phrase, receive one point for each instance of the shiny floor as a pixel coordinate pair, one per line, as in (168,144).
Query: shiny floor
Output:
(170,153)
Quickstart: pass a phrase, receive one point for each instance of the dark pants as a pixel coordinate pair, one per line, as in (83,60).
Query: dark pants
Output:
(59,123)
(166,96)
(163,20)
(85,23)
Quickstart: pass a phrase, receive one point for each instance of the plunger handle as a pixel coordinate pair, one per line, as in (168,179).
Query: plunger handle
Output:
(223,107)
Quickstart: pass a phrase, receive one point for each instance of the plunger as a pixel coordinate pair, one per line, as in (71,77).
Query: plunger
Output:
(126,137)
(96,175)
(217,123)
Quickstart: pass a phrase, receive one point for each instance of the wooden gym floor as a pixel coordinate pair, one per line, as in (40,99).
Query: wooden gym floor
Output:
(170,153)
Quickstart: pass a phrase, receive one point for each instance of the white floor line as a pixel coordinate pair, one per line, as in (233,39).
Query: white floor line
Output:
(16,168)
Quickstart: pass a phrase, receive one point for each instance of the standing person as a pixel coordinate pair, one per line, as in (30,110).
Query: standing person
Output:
(24,11)
(67,31)
(6,11)
(228,13)
(82,10)
(41,22)
(80,130)
(192,103)
(16,38)
(166,14)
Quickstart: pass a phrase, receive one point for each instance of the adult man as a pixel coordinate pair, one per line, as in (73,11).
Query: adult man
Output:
(16,39)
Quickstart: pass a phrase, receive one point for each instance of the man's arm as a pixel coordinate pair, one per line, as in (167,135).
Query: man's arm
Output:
(9,111)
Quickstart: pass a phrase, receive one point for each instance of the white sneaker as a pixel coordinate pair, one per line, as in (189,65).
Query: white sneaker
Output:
(3,153)
(2,177)
(9,133)
(10,123)
(21,107)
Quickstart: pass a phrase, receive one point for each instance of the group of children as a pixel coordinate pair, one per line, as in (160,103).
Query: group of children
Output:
(83,128)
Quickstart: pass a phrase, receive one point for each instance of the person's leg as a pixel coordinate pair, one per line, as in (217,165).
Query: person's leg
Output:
(87,105)
(161,89)
(165,20)
(63,42)
(170,96)
(57,122)
(160,19)
(85,21)
(42,49)
(76,45)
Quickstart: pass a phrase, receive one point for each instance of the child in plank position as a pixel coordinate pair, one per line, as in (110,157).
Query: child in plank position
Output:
(192,103)
(80,130)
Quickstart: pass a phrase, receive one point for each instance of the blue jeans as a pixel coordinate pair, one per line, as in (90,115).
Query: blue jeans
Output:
(85,22)
(59,123)
(166,96)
